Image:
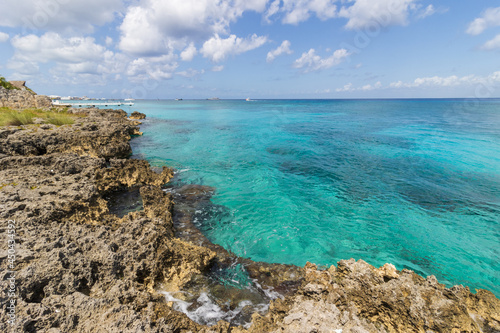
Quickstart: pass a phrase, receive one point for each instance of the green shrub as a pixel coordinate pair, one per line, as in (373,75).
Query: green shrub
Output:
(59,119)
(15,118)
(6,84)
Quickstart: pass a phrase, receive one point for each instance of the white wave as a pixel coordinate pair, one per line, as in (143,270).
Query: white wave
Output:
(208,313)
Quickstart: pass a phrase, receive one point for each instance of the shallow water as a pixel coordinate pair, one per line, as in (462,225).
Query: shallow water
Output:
(412,182)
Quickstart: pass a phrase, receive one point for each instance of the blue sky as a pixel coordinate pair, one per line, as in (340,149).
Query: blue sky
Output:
(253,48)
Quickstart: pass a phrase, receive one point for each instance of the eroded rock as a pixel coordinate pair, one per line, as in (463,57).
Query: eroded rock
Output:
(137,115)
(80,268)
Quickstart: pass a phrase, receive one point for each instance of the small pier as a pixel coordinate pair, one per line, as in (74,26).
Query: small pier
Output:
(92,103)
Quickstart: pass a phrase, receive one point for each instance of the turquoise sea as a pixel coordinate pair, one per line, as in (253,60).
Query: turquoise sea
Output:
(415,183)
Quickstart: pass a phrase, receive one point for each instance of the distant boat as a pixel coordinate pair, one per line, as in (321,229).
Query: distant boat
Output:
(129,99)
(178,99)
(248,99)
(213,99)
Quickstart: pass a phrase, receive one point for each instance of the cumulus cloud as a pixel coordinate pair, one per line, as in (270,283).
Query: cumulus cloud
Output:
(75,55)
(367,13)
(189,52)
(217,48)
(153,26)
(155,68)
(284,48)
(489,18)
(492,44)
(310,61)
(53,47)
(3,37)
(296,11)
(59,15)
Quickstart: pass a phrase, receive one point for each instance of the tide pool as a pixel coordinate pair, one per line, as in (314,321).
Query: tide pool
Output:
(415,183)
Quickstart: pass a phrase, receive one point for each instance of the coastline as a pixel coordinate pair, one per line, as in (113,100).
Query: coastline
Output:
(80,268)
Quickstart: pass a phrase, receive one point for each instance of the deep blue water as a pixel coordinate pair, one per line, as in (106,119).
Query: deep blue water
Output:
(412,182)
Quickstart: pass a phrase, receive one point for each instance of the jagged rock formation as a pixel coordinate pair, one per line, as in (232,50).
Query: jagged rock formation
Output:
(137,115)
(22,98)
(81,268)
(357,297)
(78,267)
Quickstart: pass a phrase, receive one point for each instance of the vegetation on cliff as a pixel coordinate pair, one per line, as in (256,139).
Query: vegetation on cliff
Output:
(9,117)
(6,84)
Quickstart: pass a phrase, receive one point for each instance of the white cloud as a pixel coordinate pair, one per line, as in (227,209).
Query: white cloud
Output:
(489,18)
(4,37)
(284,48)
(140,36)
(154,26)
(155,68)
(67,56)
(59,15)
(53,47)
(434,82)
(218,68)
(449,81)
(109,41)
(429,10)
(347,87)
(217,49)
(492,44)
(313,62)
(369,13)
(190,72)
(296,11)
(368,87)
(189,52)
(272,10)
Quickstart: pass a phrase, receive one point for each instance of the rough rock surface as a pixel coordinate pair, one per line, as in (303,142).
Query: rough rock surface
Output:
(137,115)
(357,297)
(80,268)
(20,99)
(103,133)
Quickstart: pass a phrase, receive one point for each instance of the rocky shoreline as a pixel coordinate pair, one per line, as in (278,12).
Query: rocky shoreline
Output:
(80,266)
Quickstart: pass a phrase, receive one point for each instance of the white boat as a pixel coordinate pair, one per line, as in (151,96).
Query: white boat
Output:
(213,99)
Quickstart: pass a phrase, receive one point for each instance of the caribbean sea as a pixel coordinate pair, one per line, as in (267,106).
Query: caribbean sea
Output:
(415,183)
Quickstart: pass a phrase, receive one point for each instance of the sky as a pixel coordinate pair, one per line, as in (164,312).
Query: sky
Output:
(149,49)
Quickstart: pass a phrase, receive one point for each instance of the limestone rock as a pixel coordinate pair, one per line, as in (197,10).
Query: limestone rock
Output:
(21,99)
(357,297)
(137,115)
(101,133)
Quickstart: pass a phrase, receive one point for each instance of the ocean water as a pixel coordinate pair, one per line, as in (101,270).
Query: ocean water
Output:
(415,183)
